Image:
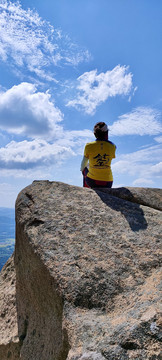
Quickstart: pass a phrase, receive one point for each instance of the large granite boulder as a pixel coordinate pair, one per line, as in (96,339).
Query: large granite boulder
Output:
(87,274)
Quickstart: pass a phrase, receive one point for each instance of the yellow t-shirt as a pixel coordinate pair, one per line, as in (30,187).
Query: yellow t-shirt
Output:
(100,153)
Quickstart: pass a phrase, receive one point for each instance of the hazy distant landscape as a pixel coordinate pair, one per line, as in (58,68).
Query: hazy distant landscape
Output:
(7,234)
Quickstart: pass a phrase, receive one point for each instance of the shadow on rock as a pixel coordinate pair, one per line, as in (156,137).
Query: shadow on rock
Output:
(132,211)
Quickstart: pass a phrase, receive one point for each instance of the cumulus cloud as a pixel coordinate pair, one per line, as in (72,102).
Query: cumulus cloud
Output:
(28,41)
(38,154)
(94,89)
(25,111)
(141,121)
(31,154)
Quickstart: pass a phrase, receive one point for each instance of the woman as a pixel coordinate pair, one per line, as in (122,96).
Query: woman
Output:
(99,154)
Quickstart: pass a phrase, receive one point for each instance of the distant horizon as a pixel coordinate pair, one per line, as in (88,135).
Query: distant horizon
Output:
(8,208)
(65,66)
(7,234)
(4,207)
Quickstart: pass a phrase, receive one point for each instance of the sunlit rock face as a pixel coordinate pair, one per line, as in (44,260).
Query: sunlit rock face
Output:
(87,269)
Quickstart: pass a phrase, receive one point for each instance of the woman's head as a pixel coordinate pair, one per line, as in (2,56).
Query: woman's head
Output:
(101,131)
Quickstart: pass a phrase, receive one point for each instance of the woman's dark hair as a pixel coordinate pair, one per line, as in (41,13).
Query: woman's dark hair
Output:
(99,132)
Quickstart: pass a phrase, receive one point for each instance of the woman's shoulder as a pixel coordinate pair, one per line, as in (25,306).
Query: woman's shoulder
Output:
(111,143)
(92,143)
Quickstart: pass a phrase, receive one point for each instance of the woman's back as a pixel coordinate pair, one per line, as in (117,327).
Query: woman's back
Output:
(100,153)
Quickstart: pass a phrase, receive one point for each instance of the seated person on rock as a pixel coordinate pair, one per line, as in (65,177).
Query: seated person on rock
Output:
(98,154)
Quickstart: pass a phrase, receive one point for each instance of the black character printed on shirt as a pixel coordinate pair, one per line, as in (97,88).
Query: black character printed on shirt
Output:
(101,160)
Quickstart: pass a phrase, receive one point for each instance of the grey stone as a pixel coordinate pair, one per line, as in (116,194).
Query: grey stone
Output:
(9,340)
(88,272)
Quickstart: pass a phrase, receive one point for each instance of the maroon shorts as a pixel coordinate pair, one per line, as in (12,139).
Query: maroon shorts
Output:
(91,183)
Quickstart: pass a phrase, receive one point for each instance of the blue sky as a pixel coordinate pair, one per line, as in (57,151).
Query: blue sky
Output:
(64,65)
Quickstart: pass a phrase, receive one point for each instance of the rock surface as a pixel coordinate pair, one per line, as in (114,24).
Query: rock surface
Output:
(87,274)
(9,341)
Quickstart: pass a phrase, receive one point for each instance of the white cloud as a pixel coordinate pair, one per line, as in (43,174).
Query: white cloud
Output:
(158,139)
(141,121)
(77,139)
(28,41)
(39,154)
(94,89)
(25,111)
(142,182)
(156,169)
(144,164)
(148,156)
(31,154)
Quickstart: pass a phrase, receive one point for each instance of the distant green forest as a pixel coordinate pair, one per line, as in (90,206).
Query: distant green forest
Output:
(7,234)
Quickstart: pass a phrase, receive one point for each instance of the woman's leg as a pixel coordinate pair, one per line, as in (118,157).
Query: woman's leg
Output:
(85,172)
